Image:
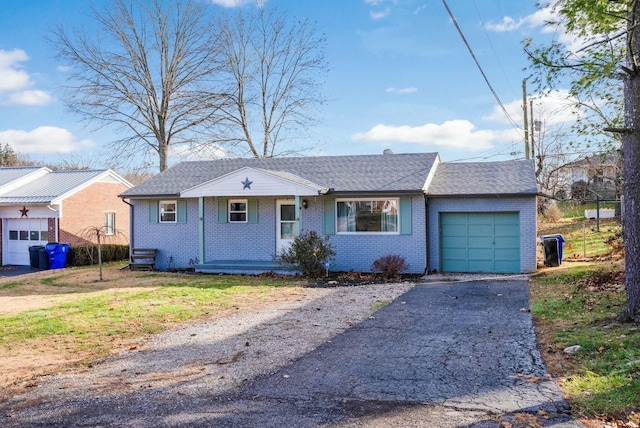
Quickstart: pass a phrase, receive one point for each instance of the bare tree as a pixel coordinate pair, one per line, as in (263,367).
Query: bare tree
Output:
(273,67)
(149,68)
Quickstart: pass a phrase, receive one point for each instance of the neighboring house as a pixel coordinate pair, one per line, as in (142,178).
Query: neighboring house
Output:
(38,206)
(234,215)
(587,177)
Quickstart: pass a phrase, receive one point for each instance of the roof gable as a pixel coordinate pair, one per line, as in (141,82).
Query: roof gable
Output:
(248,181)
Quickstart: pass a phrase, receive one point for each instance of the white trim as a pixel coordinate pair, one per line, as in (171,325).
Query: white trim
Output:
(175,212)
(381,198)
(246,210)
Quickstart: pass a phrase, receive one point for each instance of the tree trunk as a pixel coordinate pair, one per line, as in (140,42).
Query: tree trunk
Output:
(631,171)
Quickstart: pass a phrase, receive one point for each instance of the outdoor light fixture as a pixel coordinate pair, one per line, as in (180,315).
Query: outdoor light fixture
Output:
(305,204)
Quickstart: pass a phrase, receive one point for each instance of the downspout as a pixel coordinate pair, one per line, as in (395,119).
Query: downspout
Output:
(426,234)
(55,224)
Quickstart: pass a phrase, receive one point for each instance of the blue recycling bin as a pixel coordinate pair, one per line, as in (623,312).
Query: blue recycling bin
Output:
(552,249)
(57,255)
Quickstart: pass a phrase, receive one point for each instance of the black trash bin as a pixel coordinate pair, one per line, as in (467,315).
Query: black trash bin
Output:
(34,256)
(43,259)
(552,249)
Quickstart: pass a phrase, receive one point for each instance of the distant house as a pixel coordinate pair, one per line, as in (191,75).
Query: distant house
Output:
(234,215)
(599,174)
(38,206)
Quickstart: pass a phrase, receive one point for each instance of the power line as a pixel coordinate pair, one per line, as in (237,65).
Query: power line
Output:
(486,79)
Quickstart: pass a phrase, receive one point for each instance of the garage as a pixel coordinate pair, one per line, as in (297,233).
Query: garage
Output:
(23,233)
(480,242)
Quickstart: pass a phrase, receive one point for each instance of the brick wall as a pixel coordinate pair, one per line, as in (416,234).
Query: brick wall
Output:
(525,206)
(177,243)
(87,209)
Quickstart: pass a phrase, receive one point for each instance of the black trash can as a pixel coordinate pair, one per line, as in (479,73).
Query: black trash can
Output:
(43,259)
(552,249)
(34,256)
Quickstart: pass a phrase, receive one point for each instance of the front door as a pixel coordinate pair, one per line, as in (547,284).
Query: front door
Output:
(285,223)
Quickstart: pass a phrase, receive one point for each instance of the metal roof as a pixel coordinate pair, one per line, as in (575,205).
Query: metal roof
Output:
(51,187)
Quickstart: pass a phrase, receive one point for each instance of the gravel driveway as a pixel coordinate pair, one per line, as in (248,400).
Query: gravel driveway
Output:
(441,354)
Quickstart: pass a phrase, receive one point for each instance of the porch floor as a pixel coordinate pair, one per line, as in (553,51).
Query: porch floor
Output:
(248,267)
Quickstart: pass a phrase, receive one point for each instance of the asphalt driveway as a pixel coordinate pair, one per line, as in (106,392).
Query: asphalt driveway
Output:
(446,354)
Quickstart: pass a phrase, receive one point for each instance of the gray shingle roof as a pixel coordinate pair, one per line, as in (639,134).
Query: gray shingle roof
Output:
(49,187)
(358,173)
(484,178)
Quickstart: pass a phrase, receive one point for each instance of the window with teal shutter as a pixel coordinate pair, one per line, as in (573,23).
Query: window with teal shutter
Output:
(182,211)
(222,210)
(153,211)
(406,217)
(253,211)
(329,216)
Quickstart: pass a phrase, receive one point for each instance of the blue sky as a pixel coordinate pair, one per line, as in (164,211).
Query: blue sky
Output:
(400,77)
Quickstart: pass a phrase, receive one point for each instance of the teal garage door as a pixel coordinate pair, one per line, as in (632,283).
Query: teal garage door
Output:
(480,242)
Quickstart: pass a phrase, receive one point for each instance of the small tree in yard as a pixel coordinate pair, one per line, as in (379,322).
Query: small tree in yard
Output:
(99,235)
(308,253)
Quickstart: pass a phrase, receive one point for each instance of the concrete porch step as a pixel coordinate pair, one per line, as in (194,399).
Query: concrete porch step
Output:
(247,267)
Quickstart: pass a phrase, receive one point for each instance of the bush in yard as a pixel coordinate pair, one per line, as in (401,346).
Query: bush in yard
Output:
(86,255)
(308,253)
(390,266)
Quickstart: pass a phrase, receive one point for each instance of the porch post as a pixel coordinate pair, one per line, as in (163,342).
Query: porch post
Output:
(296,228)
(201,254)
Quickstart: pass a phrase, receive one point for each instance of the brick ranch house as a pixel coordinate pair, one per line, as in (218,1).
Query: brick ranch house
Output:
(39,206)
(234,215)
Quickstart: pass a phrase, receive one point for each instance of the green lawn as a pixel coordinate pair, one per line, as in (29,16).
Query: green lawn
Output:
(577,305)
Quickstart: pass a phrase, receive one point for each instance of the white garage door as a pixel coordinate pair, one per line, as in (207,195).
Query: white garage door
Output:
(23,233)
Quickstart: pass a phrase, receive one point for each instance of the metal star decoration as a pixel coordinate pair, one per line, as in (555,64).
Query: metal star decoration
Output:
(24,212)
(246,184)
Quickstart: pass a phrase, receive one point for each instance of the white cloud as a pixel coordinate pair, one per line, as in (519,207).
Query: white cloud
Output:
(237,3)
(452,134)
(555,108)
(408,90)
(377,2)
(536,19)
(14,82)
(30,98)
(12,78)
(380,15)
(44,139)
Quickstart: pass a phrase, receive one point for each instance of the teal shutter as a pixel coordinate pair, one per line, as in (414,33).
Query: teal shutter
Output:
(329,216)
(153,211)
(253,211)
(222,210)
(181,206)
(405,215)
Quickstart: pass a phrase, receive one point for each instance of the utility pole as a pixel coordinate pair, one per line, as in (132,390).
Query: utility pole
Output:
(533,143)
(526,119)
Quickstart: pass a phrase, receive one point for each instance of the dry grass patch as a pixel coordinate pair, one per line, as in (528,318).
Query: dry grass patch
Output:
(62,318)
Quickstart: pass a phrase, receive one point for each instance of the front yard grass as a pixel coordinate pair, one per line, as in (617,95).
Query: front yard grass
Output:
(576,304)
(91,319)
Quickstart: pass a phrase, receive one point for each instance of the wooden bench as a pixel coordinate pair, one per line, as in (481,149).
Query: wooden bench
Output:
(143,258)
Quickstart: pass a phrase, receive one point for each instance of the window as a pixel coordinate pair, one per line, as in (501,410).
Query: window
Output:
(109,223)
(167,211)
(370,215)
(238,211)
